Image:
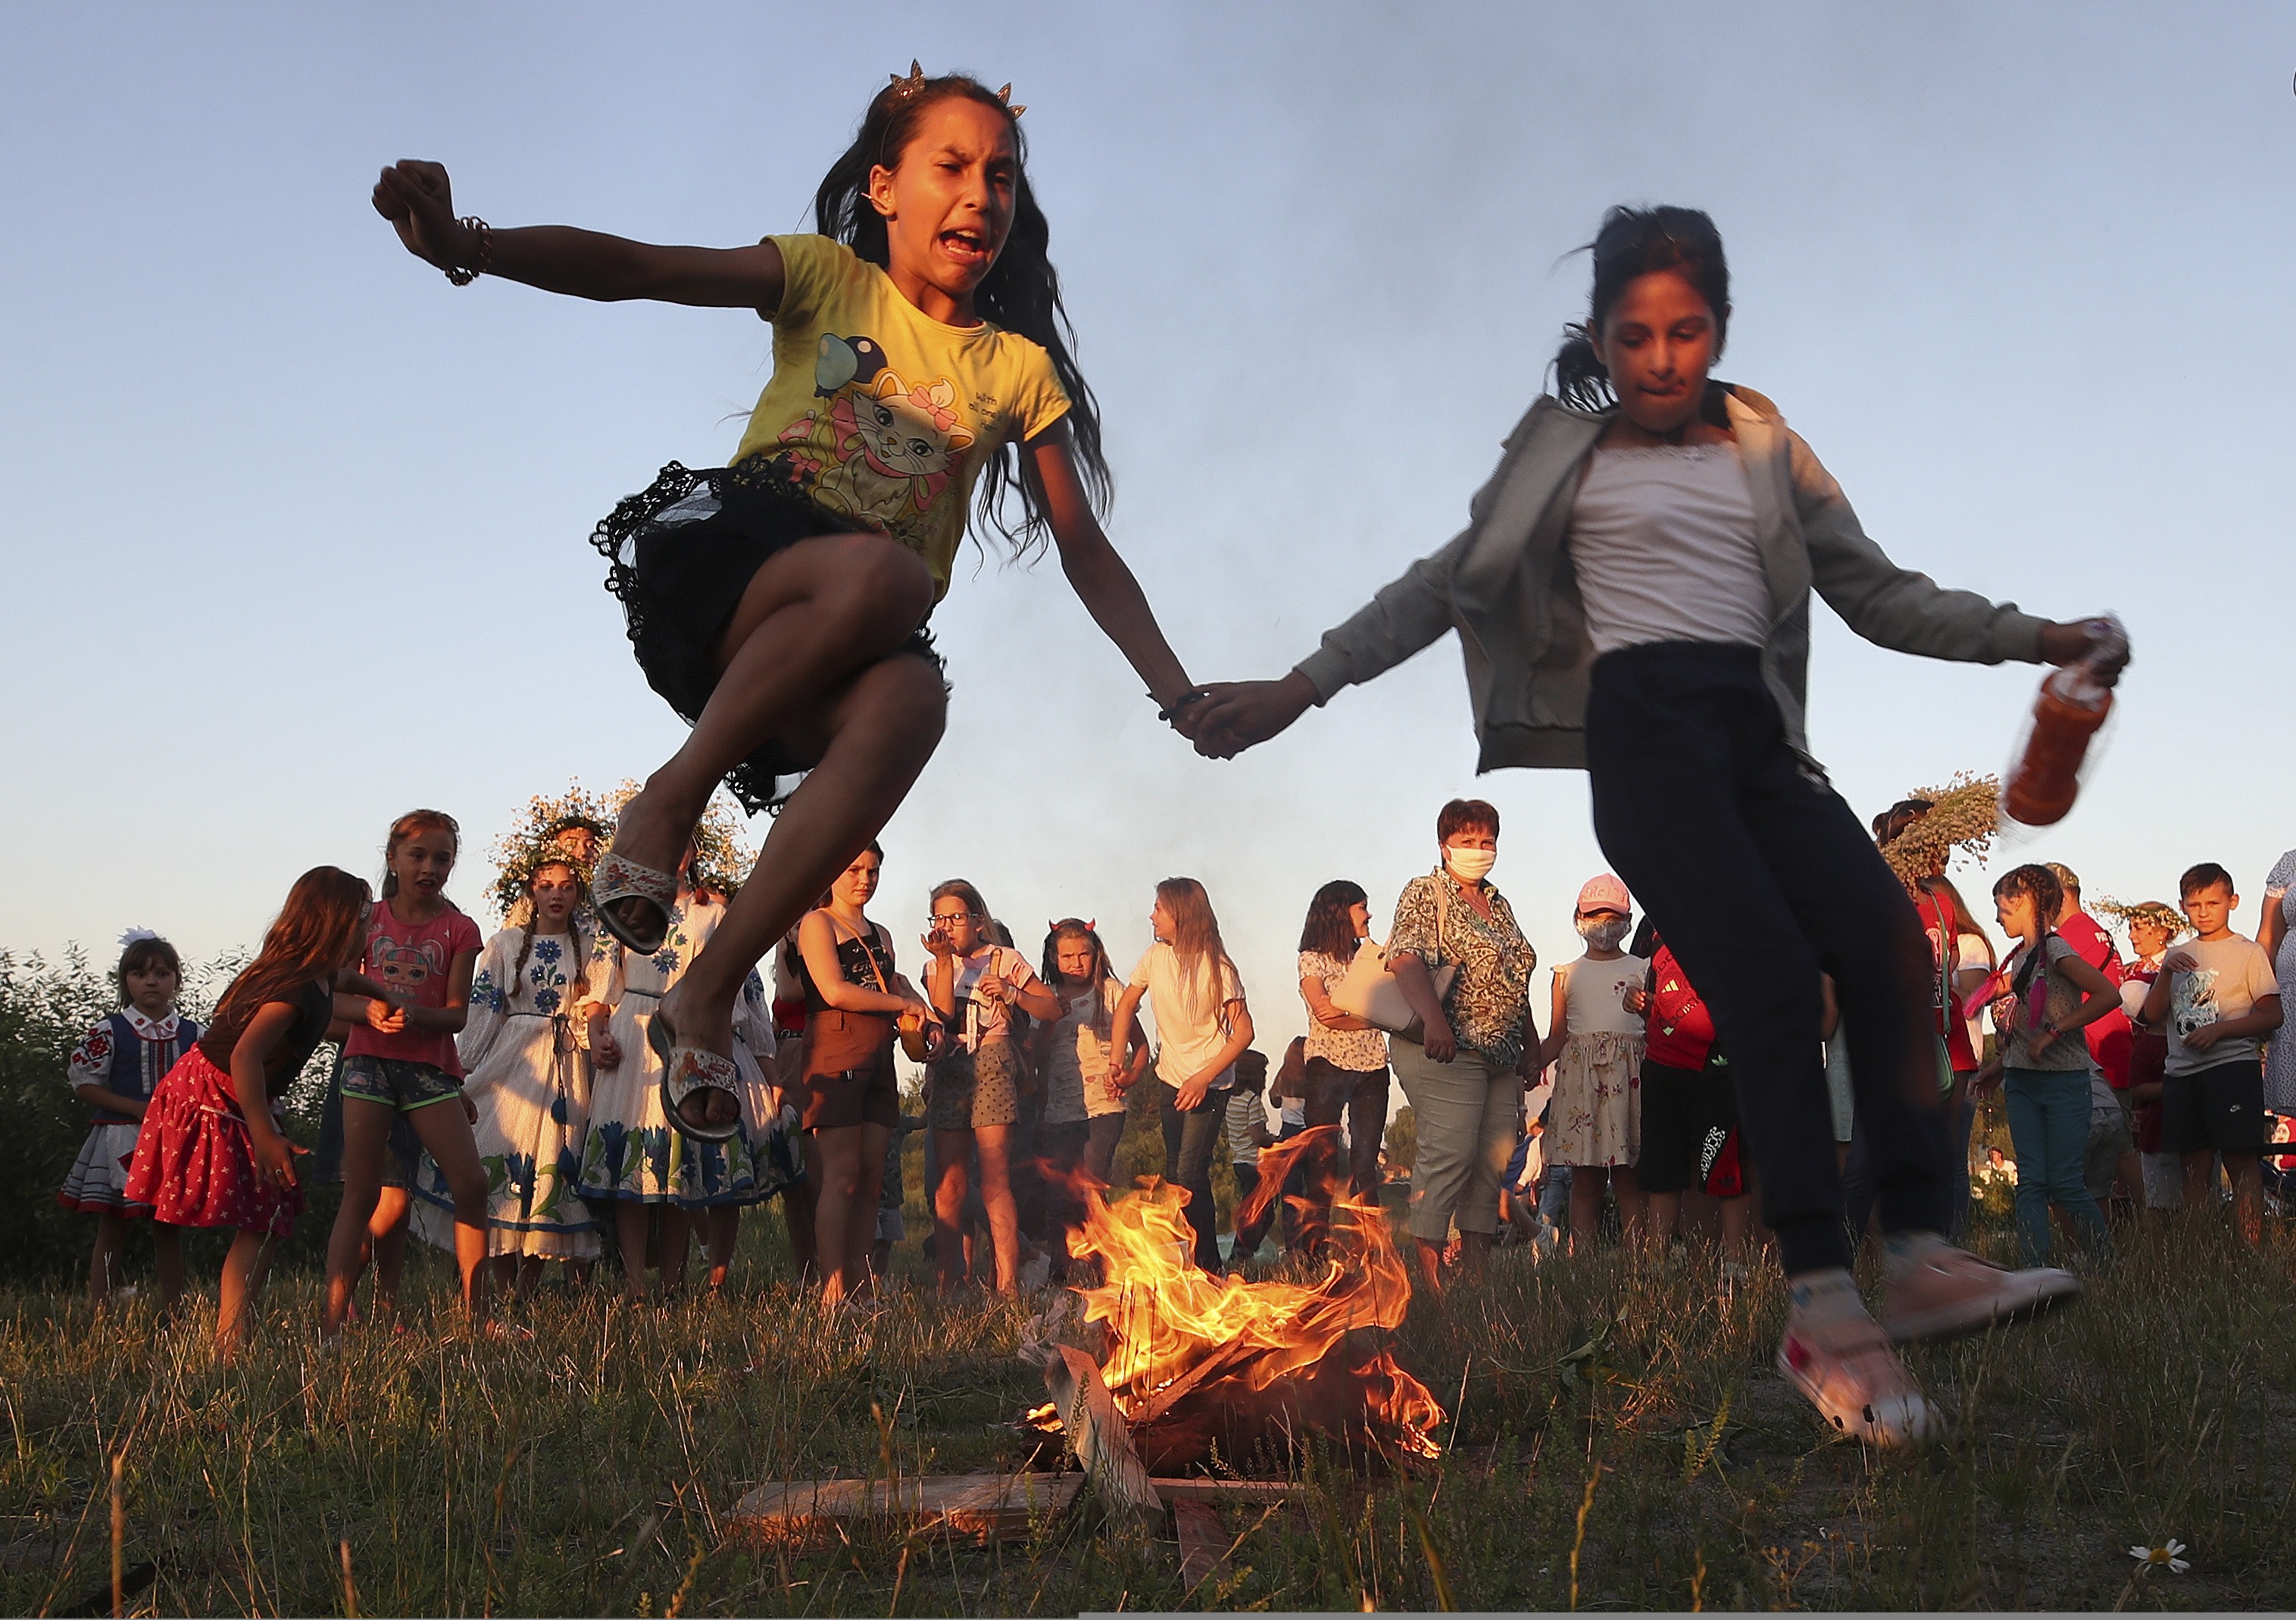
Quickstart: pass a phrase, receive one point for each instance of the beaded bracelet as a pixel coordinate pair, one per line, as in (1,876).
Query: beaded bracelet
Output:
(1191,695)
(461,276)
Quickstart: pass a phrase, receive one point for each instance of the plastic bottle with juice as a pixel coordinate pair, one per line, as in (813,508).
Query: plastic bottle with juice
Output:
(2072,706)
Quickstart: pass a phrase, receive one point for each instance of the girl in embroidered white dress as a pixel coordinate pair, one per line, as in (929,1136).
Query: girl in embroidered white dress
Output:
(631,1156)
(113,1070)
(529,1078)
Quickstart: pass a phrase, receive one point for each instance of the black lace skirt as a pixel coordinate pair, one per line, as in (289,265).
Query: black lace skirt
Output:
(679,553)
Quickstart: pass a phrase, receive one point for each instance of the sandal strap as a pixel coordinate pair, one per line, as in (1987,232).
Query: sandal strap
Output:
(618,877)
(692,1069)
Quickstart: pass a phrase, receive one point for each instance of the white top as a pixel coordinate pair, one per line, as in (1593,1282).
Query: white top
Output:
(1590,995)
(983,1020)
(1663,540)
(1192,1023)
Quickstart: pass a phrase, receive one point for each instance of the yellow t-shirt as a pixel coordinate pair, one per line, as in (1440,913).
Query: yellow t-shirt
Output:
(881,413)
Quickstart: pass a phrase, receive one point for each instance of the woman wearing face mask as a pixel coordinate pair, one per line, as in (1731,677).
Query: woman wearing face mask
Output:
(1479,1048)
(1593,1122)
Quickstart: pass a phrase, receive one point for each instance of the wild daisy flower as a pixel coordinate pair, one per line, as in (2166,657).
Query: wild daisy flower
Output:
(2170,1555)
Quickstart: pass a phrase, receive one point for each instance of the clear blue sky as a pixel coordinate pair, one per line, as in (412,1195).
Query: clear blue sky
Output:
(296,531)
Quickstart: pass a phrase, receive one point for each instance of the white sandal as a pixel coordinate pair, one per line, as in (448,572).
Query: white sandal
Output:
(688,1069)
(620,878)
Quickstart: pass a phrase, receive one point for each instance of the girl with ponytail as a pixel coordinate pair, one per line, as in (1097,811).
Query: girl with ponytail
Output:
(922,359)
(1632,592)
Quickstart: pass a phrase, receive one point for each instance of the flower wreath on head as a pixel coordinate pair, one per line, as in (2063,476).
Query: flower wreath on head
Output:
(720,860)
(2159,913)
(533,843)
(1964,817)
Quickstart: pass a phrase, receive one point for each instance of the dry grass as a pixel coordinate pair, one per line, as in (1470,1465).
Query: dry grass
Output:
(1618,1436)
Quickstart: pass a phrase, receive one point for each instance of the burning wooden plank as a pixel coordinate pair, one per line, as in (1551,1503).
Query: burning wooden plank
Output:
(1099,1435)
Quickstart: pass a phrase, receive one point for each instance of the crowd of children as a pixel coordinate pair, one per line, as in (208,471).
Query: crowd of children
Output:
(528,1087)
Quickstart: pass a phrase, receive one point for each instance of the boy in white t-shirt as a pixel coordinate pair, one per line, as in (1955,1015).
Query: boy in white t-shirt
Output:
(2220,1000)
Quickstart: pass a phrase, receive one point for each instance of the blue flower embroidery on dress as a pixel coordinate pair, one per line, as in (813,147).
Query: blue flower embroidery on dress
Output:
(546,1000)
(547,951)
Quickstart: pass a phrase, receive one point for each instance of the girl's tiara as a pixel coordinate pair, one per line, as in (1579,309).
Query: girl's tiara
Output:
(904,89)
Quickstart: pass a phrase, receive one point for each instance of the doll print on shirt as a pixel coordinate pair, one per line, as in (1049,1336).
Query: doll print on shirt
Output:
(876,444)
(405,968)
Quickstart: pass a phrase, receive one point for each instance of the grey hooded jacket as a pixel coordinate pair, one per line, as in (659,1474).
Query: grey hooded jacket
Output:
(1506,584)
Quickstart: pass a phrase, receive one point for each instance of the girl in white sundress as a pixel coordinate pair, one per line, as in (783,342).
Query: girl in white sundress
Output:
(632,1157)
(1595,1118)
(530,1079)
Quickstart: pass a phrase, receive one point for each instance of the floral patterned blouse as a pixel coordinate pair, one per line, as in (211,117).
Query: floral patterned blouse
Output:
(1490,1001)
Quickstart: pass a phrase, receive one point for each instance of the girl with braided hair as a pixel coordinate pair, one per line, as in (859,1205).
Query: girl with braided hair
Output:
(526,1074)
(920,355)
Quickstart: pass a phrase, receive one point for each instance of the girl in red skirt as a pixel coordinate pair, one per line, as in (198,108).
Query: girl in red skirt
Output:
(210,1153)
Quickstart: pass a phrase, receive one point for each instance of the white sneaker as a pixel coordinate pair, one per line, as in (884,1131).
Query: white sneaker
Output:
(1934,1290)
(1837,1355)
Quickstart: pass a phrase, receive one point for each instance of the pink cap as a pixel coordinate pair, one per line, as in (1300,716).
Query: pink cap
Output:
(1605,893)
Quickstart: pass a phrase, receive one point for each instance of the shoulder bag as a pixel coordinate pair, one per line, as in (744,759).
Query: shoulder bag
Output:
(1370,991)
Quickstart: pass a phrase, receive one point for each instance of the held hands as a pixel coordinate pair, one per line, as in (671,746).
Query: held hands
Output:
(417,198)
(1237,715)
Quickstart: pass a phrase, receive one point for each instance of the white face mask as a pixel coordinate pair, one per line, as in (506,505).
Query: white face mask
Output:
(1603,932)
(1469,866)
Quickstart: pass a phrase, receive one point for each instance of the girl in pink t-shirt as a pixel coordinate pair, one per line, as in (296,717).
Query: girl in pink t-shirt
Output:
(421,950)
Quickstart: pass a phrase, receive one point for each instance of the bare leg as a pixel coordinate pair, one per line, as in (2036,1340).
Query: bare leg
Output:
(811,624)
(2247,1172)
(951,1256)
(834,1168)
(1587,1184)
(724,1232)
(1431,1263)
(244,1269)
(444,1132)
(1474,1254)
(386,1233)
(528,1275)
(167,1260)
(103,1263)
(1664,1209)
(366,1132)
(861,1226)
(632,1222)
(1737,1218)
(797,1214)
(1627,1187)
(994,1142)
(881,730)
(676,1236)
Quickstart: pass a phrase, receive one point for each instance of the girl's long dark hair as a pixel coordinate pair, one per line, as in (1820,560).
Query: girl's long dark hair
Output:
(319,931)
(1021,293)
(1636,242)
(1328,928)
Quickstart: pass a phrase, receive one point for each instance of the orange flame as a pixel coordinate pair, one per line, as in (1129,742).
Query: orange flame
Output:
(1178,1336)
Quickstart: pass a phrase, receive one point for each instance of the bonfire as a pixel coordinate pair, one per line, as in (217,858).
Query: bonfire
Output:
(1197,1365)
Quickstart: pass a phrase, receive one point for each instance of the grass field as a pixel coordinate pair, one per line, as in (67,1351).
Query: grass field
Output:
(1619,1441)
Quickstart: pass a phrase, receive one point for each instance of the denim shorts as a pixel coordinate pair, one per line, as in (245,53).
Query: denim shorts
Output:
(399,1083)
